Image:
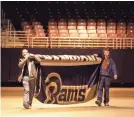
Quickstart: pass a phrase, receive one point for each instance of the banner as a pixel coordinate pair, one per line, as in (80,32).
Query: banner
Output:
(67,79)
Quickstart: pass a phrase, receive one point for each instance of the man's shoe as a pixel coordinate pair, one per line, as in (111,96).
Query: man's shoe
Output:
(27,106)
(98,102)
(106,104)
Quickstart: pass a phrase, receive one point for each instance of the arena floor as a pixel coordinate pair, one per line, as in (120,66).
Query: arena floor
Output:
(121,105)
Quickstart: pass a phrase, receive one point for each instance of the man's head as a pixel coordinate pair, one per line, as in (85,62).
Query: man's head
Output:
(106,52)
(24,52)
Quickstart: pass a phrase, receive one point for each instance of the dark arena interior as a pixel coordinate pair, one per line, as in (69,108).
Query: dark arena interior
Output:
(67,28)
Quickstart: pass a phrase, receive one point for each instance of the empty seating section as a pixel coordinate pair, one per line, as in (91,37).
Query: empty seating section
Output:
(34,29)
(91,28)
(80,32)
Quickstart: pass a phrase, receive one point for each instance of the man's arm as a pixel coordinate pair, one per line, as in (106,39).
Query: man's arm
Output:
(114,70)
(22,61)
(37,58)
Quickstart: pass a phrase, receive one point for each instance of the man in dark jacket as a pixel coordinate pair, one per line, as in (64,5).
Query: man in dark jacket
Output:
(107,72)
(29,64)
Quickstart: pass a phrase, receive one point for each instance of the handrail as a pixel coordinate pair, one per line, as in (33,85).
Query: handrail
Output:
(15,39)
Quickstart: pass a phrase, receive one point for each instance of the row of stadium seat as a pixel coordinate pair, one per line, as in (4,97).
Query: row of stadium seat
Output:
(82,28)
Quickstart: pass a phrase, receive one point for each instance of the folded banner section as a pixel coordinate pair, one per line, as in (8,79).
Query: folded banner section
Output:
(67,79)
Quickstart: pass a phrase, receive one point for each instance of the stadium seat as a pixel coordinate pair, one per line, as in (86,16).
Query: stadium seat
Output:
(111,36)
(119,31)
(73,31)
(101,27)
(93,35)
(63,31)
(62,27)
(64,35)
(101,22)
(111,31)
(111,22)
(91,22)
(121,27)
(81,23)
(91,27)
(73,35)
(101,31)
(72,27)
(41,34)
(130,33)
(52,27)
(83,35)
(102,35)
(61,23)
(53,31)
(53,35)
(38,27)
(121,35)
(72,23)
(111,27)
(92,31)
(82,31)
(81,27)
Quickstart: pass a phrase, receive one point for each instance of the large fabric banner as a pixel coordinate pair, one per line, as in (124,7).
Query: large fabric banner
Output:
(67,79)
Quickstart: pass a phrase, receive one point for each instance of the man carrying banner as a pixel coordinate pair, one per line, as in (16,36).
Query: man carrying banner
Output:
(29,64)
(107,71)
